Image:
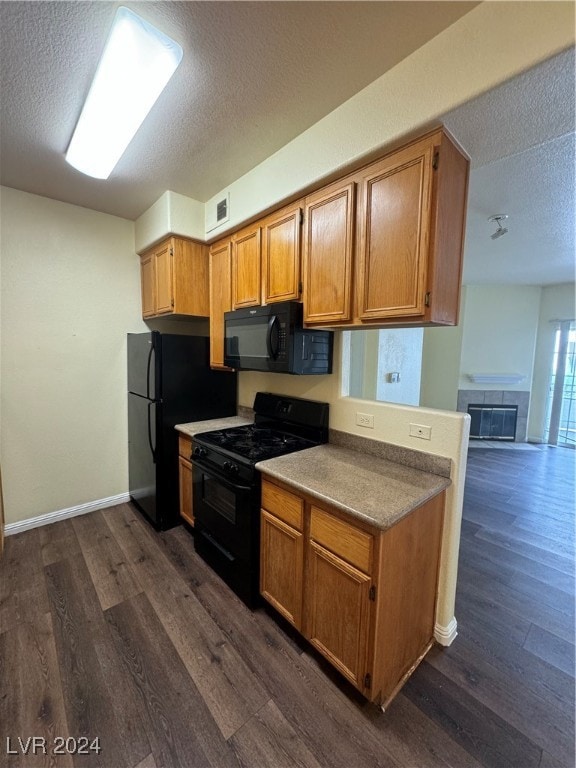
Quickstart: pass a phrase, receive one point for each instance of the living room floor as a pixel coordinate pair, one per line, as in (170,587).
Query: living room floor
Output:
(110,630)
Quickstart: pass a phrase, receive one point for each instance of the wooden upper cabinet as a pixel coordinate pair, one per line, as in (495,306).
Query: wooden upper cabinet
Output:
(395,200)
(220,266)
(148,285)
(281,255)
(174,277)
(328,254)
(163,262)
(246,273)
(394,258)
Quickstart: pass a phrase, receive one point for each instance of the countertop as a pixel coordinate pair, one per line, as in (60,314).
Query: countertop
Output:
(195,427)
(374,489)
(370,488)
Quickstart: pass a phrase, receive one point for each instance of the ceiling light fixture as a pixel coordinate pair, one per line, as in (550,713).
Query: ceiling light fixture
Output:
(137,63)
(497,219)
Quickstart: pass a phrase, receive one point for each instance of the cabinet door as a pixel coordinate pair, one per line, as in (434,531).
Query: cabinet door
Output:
(147,282)
(185,481)
(163,274)
(190,278)
(246,281)
(338,612)
(281,256)
(395,236)
(220,298)
(281,566)
(328,246)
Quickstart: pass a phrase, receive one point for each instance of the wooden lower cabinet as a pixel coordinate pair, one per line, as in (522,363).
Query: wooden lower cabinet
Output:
(282,567)
(185,478)
(363,597)
(338,612)
(282,551)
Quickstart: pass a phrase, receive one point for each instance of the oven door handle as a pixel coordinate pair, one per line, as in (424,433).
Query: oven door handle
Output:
(232,486)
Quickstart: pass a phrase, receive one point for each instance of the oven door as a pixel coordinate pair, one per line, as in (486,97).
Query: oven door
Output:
(227,528)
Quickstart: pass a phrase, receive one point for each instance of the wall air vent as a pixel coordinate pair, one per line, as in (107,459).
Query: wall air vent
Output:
(217,211)
(222,210)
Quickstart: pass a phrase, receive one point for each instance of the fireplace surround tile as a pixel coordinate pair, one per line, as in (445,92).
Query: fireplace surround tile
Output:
(520,398)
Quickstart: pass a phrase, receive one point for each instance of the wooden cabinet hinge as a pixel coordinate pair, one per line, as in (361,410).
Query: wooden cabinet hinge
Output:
(171,251)
(299,289)
(372,593)
(301,217)
(435,160)
(367,680)
(427,299)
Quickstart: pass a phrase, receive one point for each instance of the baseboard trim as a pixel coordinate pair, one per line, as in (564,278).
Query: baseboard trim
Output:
(445,635)
(63,514)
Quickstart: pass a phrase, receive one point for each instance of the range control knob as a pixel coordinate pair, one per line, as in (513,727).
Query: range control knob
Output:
(199,452)
(232,468)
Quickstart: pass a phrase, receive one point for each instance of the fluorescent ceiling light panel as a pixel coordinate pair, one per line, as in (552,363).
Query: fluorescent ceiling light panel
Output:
(137,63)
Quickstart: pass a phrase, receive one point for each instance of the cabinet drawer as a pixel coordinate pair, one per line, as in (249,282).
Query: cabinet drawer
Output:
(283,504)
(343,539)
(184,446)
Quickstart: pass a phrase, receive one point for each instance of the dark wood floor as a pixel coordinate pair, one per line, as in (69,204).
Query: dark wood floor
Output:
(110,630)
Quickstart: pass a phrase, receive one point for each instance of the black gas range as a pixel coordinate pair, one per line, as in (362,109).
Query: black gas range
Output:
(226,483)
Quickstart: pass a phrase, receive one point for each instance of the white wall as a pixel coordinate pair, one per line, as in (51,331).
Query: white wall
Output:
(70,292)
(557,303)
(171,214)
(499,333)
(441,352)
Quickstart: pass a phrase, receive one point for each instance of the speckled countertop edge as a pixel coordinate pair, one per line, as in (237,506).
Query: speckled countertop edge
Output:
(378,491)
(195,427)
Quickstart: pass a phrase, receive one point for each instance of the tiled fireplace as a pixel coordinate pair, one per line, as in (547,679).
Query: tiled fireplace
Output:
(489,397)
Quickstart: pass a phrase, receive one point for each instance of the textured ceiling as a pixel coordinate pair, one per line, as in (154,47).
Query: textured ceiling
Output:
(254,76)
(520,137)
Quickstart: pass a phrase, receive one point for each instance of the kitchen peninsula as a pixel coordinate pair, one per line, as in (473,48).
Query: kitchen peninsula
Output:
(350,552)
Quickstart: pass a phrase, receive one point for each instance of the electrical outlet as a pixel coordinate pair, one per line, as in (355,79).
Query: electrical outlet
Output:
(365,420)
(421,430)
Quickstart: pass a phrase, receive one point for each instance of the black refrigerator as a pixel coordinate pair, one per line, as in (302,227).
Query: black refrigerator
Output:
(169,382)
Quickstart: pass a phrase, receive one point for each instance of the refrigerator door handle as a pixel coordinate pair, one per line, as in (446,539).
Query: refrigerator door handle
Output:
(150,352)
(152,447)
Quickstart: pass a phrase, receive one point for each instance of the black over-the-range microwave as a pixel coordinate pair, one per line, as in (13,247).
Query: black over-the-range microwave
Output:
(271,338)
